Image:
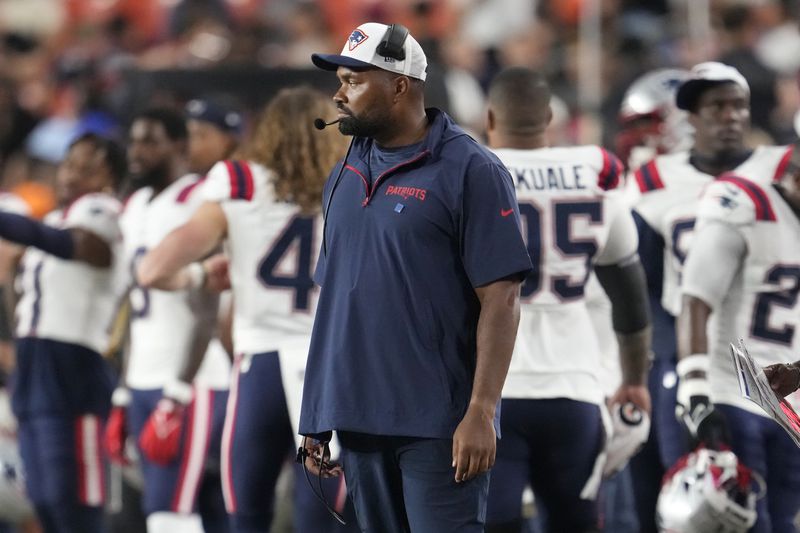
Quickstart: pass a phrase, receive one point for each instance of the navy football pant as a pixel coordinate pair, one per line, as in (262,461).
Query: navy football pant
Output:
(765,447)
(667,443)
(174,487)
(64,472)
(402,484)
(257,441)
(551,445)
(61,394)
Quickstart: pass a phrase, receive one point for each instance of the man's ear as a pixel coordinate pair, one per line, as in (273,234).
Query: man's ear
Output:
(490,119)
(402,85)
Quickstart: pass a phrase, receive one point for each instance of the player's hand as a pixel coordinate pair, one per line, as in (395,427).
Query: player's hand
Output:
(638,395)
(317,460)
(161,436)
(160,439)
(783,378)
(217,274)
(116,432)
(474,443)
(693,404)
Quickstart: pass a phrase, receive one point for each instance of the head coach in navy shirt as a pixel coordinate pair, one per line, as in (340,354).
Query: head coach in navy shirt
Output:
(420,268)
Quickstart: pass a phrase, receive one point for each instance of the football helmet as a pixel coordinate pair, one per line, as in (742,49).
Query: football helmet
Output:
(630,429)
(650,123)
(708,491)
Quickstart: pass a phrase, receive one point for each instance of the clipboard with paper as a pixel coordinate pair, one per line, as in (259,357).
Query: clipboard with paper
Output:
(754,386)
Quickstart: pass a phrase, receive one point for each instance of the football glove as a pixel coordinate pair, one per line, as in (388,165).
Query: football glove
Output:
(160,439)
(116,432)
(631,428)
(693,403)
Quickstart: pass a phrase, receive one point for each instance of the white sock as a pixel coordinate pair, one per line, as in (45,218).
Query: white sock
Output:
(164,522)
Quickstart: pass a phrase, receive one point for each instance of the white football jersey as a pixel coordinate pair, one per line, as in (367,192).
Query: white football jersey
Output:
(667,191)
(72,301)
(762,304)
(11,203)
(162,322)
(571,221)
(273,249)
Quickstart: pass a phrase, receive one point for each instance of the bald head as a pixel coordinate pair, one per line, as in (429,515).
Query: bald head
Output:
(519,103)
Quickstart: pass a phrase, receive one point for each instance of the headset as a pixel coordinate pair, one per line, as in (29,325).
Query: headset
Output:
(392,43)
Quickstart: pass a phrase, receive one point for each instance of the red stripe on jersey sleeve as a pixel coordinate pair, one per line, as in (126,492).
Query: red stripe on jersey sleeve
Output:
(232,177)
(249,184)
(611,171)
(784,162)
(647,177)
(757,195)
(187,191)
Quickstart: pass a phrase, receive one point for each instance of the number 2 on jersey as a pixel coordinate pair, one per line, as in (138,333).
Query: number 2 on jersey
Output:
(565,243)
(299,231)
(786,298)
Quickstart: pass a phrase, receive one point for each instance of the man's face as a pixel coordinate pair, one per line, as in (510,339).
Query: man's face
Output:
(150,151)
(207,145)
(721,118)
(82,171)
(363,101)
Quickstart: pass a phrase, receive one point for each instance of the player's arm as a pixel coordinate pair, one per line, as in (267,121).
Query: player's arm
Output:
(172,264)
(496,260)
(473,447)
(160,438)
(205,307)
(225,325)
(626,287)
(623,278)
(76,244)
(716,255)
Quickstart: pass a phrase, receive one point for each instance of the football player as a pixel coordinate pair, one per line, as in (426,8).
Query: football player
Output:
(650,122)
(266,208)
(69,285)
(158,404)
(213,134)
(666,192)
(553,399)
(742,279)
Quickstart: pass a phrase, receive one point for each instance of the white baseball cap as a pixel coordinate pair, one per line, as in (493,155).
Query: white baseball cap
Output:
(360,51)
(704,75)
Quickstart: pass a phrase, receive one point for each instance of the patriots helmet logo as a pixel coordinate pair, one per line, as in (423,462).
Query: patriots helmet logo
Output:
(727,202)
(356,38)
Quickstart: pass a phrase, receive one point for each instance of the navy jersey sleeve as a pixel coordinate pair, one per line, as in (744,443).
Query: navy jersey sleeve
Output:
(491,241)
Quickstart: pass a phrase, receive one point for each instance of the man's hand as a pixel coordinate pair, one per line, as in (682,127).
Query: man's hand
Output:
(474,443)
(317,460)
(783,378)
(160,439)
(217,275)
(638,395)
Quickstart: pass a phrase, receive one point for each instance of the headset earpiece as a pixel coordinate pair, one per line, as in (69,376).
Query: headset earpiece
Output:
(392,43)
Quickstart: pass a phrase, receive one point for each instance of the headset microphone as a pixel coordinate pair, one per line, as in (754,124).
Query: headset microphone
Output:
(321,124)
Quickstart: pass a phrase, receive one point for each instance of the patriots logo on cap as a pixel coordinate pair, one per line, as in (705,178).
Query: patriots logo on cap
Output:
(356,38)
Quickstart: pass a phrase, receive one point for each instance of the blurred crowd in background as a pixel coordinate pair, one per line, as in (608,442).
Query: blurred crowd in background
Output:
(69,66)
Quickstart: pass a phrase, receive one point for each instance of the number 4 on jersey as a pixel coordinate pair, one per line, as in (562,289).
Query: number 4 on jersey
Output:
(299,233)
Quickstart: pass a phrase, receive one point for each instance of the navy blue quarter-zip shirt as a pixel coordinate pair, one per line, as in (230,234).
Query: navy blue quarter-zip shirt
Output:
(393,350)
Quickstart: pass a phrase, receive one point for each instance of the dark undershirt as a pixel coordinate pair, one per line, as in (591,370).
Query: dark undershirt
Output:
(382,159)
